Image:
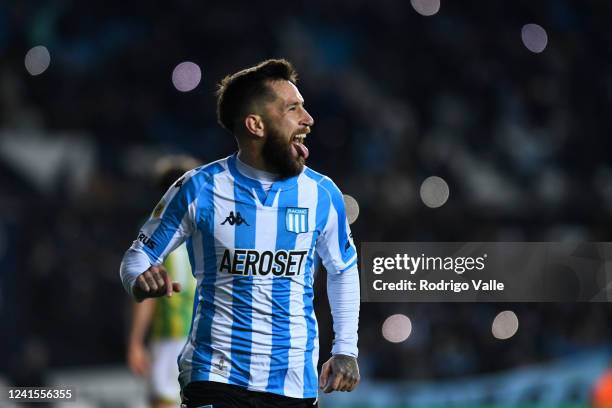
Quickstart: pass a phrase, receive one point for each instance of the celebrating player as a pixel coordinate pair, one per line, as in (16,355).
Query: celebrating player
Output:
(253,222)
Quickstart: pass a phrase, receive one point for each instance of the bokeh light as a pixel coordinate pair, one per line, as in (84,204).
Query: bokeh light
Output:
(352,208)
(505,325)
(434,192)
(37,60)
(426,7)
(534,37)
(397,328)
(186,76)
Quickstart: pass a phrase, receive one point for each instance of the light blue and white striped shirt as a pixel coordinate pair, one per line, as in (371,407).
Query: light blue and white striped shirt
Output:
(252,253)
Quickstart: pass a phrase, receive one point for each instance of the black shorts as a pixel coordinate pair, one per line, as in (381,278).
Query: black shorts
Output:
(201,394)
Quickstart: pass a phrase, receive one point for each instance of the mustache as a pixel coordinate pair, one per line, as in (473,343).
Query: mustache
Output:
(303,131)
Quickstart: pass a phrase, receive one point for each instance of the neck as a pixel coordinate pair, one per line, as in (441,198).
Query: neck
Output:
(260,175)
(254,159)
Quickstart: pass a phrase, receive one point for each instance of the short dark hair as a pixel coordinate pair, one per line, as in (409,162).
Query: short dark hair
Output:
(238,92)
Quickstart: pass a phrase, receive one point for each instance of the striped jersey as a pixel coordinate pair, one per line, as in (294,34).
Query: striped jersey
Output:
(252,253)
(172,316)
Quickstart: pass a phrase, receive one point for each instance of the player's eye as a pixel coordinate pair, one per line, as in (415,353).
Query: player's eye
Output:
(292,108)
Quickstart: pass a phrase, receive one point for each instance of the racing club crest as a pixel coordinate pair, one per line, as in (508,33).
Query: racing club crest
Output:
(296,219)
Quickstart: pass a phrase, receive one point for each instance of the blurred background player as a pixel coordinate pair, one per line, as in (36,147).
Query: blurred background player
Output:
(167,318)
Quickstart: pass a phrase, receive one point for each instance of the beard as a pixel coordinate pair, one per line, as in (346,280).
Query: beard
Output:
(278,153)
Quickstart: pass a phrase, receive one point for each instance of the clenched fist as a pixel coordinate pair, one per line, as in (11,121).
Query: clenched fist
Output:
(154,282)
(339,373)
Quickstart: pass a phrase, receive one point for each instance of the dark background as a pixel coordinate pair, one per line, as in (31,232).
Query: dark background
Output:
(522,139)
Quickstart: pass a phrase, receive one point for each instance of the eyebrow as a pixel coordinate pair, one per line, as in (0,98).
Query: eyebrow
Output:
(289,104)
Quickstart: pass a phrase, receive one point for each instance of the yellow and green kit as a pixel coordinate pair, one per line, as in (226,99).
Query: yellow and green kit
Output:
(172,316)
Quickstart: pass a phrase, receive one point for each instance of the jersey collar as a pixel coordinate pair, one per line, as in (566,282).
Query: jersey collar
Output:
(249,183)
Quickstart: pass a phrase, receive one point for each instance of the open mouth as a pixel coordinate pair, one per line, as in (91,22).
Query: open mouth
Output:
(299,138)
(298,143)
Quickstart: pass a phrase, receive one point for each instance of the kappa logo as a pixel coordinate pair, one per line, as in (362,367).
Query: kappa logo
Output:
(235,219)
(296,219)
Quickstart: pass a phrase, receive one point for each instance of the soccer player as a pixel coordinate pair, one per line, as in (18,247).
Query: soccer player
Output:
(168,319)
(253,222)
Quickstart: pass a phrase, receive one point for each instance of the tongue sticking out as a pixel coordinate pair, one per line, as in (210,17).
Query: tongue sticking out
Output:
(301,149)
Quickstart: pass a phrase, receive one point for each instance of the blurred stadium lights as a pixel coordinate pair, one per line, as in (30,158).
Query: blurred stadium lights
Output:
(397,328)
(426,7)
(505,325)
(352,208)
(534,38)
(186,76)
(37,60)
(434,192)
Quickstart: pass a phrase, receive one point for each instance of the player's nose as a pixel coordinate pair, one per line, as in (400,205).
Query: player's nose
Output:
(307,120)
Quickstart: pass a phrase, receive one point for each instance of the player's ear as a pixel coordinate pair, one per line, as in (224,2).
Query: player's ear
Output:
(254,124)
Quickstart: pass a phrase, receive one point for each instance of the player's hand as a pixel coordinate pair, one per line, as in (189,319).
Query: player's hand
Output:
(339,373)
(138,359)
(155,282)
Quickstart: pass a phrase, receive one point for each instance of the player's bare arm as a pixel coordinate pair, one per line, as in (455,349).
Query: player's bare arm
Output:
(339,373)
(138,358)
(154,282)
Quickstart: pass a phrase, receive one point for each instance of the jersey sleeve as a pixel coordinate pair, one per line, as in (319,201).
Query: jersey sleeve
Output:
(335,244)
(172,221)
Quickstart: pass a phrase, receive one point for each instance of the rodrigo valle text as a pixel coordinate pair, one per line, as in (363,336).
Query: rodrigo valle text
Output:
(492,285)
